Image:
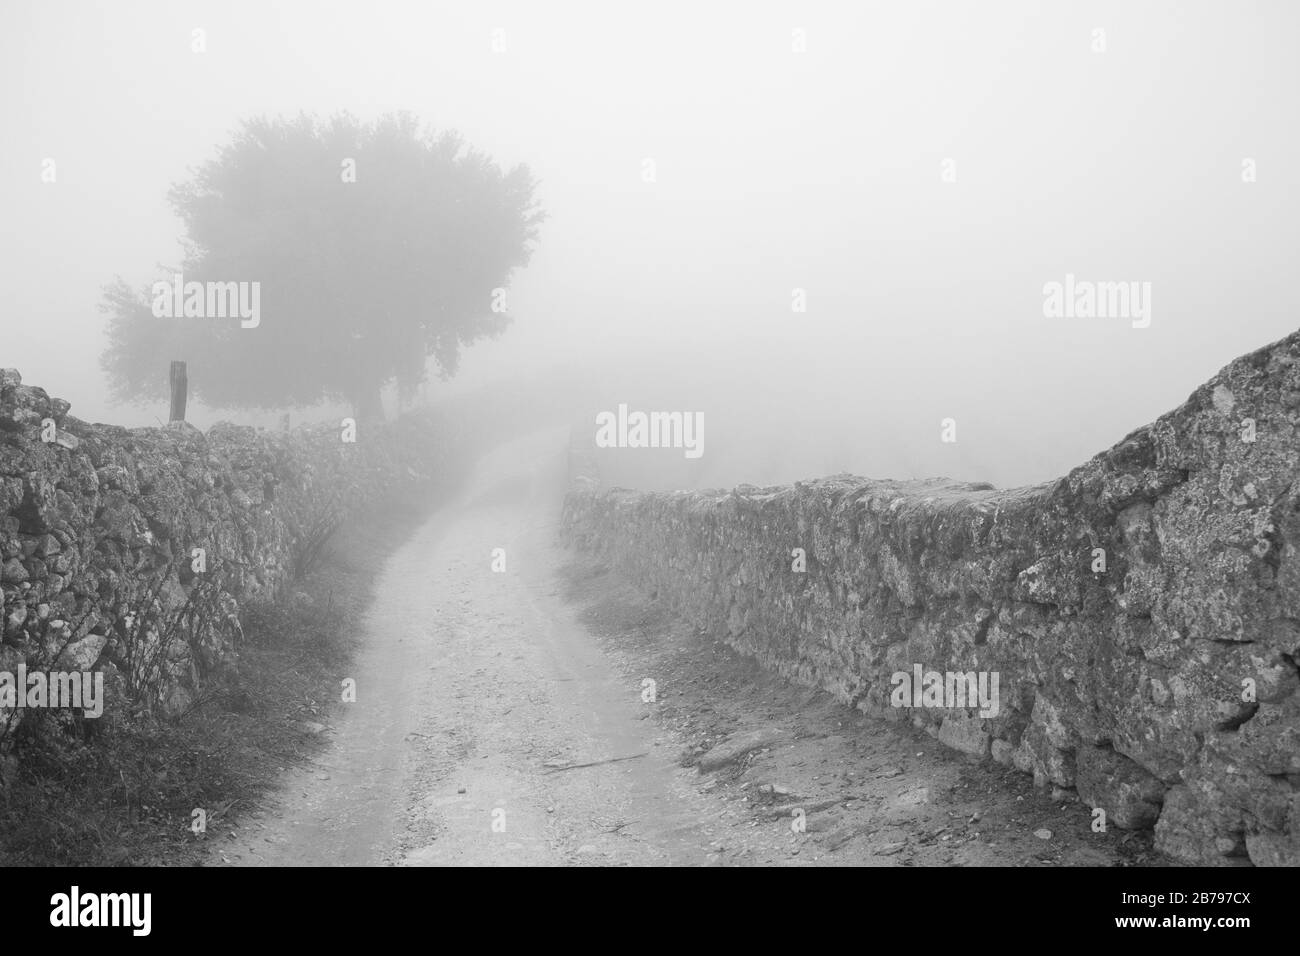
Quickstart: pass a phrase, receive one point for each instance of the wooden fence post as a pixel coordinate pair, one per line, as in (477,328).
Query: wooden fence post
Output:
(180,391)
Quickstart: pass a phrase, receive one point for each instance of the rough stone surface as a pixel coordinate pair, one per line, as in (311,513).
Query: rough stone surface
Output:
(93,518)
(965,733)
(737,746)
(1164,684)
(1130,795)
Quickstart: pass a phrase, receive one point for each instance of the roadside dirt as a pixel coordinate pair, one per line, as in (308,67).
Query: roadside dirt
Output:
(502,718)
(477,690)
(870,793)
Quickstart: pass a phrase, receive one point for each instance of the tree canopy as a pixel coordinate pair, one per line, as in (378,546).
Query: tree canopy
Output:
(373,246)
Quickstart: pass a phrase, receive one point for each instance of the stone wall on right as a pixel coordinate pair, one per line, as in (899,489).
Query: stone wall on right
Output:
(1142,614)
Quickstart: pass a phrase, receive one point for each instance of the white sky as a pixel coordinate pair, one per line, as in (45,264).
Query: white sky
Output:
(775,170)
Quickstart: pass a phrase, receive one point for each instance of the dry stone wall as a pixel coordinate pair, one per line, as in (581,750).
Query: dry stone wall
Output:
(99,526)
(1141,614)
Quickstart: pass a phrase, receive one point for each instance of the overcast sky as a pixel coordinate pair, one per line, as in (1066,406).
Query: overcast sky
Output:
(775,170)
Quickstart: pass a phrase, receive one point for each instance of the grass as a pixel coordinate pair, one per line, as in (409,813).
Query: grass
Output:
(122,790)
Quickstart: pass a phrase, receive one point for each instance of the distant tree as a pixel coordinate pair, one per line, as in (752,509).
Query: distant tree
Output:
(375,246)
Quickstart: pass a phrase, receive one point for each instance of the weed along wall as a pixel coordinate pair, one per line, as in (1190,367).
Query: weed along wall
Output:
(129,552)
(1130,631)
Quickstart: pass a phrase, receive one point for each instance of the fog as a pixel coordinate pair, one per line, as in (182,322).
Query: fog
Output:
(914,177)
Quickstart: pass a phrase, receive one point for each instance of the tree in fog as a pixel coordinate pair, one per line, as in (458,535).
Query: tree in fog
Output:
(376,245)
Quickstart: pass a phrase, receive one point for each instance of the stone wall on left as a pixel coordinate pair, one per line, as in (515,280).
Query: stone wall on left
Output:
(99,527)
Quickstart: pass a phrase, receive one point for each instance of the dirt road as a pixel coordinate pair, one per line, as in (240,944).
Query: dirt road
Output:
(502,718)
